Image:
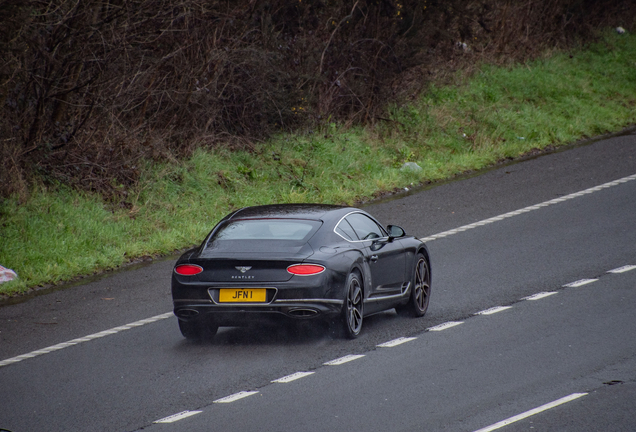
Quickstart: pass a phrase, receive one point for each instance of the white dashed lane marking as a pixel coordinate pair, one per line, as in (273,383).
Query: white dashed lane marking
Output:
(235,397)
(494,310)
(445,326)
(623,269)
(400,341)
(539,296)
(176,417)
(396,342)
(292,377)
(579,283)
(342,360)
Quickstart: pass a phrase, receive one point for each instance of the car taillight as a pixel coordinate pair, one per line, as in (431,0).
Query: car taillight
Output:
(305,269)
(188,269)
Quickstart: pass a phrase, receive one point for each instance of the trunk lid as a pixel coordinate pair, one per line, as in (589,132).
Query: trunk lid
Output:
(253,261)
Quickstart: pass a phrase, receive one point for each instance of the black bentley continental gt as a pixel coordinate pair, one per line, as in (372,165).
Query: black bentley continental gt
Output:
(299,262)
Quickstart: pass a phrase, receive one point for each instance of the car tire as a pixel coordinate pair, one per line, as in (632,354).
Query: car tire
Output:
(353,306)
(197,331)
(421,289)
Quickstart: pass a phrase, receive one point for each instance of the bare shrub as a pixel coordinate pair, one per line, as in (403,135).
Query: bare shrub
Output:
(90,88)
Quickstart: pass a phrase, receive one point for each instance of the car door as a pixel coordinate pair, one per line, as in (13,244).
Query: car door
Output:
(386,258)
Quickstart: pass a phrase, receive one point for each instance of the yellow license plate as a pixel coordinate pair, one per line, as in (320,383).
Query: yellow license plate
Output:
(232,295)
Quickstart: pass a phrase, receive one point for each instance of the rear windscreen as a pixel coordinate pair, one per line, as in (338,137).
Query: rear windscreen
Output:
(238,234)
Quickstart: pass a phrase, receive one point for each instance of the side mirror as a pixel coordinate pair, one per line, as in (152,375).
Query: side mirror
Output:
(395,232)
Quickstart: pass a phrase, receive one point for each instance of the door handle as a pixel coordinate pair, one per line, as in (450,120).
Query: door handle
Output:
(374,258)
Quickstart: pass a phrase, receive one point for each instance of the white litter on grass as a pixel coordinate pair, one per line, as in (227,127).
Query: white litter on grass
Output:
(7,275)
(411,166)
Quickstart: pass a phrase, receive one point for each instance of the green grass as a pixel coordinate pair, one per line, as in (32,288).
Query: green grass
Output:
(497,113)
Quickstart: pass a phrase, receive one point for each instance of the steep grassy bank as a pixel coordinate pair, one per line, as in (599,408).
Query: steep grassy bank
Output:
(497,113)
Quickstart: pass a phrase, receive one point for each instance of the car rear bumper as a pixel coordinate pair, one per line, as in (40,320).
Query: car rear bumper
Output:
(244,314)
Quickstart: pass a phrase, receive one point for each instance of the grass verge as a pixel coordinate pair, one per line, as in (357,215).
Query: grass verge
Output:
(498,113)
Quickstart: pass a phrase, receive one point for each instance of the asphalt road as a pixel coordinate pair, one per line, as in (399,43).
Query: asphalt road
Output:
(462,378)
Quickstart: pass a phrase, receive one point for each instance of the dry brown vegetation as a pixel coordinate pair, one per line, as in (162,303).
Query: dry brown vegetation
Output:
(89,88)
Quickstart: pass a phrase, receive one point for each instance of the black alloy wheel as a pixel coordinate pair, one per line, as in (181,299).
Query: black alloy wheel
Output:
(353,307)
(421,290)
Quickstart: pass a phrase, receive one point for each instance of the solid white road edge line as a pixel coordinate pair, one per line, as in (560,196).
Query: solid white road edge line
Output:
(532,412)
(84,339)
(176,417)
(529,209)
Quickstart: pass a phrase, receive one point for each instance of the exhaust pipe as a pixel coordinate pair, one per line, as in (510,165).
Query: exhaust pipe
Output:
(186,313)
(303,313)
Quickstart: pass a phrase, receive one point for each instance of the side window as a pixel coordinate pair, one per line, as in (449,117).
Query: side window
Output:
(365,227)
(345,230)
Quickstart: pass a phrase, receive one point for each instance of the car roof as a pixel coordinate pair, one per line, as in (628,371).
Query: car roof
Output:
(292,211)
